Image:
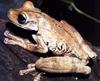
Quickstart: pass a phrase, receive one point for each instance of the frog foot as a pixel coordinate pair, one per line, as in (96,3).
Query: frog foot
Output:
(11,39)
(31,68)
(26,71)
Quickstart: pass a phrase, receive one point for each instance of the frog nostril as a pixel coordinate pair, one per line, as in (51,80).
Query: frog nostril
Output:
(22,19)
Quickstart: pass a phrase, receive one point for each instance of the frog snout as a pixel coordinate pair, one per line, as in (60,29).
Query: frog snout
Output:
(12,15)
(10,12)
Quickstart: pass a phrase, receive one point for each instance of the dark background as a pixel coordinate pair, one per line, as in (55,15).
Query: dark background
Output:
(15,58)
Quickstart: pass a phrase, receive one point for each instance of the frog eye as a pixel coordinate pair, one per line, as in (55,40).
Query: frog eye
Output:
(22,18)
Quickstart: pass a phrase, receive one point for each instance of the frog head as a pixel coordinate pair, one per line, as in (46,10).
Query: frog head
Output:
(25,17)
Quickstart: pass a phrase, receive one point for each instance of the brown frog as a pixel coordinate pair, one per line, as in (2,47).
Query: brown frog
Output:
(71,52)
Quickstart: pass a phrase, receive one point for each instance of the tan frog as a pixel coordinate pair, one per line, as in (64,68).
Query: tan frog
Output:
(71,52)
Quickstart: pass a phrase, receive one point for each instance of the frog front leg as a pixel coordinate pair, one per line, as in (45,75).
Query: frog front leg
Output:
(15,40)
(42,47)
(25,43)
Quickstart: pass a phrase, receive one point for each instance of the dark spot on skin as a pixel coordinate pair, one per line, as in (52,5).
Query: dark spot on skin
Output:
(47,43)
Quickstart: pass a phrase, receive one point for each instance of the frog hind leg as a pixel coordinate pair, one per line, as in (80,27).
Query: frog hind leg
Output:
(62,64)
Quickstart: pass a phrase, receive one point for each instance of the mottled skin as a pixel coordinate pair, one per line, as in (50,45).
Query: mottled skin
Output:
(59,37)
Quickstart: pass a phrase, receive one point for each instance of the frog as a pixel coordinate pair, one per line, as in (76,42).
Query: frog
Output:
(70,52)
